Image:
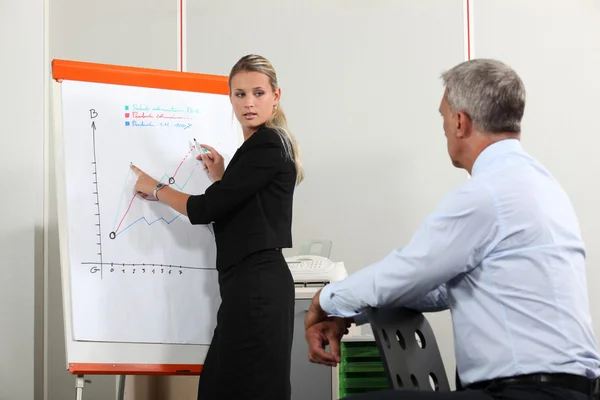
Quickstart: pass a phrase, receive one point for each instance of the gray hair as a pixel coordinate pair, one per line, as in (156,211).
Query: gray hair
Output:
(489,91)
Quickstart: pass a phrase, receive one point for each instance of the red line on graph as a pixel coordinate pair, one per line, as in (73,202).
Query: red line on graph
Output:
(135,195)
(126,212)
(182,161)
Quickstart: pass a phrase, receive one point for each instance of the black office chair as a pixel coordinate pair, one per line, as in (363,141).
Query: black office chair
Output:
(410,354)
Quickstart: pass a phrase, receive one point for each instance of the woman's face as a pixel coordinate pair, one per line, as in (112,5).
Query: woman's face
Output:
(253,99)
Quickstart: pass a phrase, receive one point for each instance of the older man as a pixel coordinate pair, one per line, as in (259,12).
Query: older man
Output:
(503,252)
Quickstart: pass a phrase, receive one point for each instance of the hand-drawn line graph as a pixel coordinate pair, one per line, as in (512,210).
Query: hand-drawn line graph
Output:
(118,227)
(145,265)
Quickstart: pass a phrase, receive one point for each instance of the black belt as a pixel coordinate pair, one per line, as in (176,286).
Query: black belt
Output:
(590,387)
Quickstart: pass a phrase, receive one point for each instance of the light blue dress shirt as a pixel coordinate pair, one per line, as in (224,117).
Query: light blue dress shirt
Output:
(504,253)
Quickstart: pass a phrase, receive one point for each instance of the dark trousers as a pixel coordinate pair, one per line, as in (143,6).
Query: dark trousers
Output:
(529,392)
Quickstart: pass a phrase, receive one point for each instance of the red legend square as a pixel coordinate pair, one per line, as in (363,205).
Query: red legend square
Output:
(126,115)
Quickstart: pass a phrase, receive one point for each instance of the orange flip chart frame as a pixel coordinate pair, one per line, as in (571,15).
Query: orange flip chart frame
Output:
(140,77)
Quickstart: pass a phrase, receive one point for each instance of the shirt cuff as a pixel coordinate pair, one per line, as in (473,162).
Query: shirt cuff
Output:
(333,304)
(326,301)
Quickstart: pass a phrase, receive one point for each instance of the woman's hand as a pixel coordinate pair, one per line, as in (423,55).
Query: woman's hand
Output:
(213,162)
(145,184)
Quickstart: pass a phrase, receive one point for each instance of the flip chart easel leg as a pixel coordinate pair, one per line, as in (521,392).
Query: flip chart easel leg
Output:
(79,386)
(121,394)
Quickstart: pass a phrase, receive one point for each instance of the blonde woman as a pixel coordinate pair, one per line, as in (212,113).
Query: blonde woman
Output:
(250,204)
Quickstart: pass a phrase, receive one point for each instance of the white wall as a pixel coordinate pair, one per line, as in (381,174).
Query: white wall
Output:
(554,46)
(361,89)
(21,229)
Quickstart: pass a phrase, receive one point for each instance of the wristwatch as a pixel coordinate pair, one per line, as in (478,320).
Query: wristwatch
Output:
(159,186)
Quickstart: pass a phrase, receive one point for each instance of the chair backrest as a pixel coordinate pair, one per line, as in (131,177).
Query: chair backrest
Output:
(409,351)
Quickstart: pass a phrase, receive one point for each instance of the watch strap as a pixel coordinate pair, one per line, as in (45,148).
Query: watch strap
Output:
(157,188)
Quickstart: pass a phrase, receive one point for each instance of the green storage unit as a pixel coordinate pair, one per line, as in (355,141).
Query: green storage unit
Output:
(361,369)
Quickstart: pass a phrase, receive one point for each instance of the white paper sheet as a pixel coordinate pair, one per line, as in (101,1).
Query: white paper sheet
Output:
(140,272)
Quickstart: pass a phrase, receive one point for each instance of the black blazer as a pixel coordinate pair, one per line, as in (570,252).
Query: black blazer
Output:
(251,206)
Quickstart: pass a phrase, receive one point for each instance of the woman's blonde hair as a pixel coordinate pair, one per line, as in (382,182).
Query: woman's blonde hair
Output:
(277,122)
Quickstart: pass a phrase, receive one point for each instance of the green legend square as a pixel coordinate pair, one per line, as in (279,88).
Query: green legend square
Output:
(126,108)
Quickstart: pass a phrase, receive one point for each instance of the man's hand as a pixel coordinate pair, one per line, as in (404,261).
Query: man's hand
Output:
(315,313)
(325,333)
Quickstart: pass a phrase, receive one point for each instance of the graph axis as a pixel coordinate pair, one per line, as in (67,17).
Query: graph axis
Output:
(96,267)
(93,115)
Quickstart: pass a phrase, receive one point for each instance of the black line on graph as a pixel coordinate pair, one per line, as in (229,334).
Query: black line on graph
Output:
(116,264)
(93,114)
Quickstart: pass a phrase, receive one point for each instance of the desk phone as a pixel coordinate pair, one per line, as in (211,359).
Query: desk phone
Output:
(315,269)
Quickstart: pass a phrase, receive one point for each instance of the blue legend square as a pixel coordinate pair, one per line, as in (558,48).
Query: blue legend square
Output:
(127,123)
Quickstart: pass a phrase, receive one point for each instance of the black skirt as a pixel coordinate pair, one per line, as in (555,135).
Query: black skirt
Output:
(250,353)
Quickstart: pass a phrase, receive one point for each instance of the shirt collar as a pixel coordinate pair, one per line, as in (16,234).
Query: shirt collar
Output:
(493,151)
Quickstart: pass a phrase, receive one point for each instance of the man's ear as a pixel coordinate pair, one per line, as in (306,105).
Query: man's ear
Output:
(464,124)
